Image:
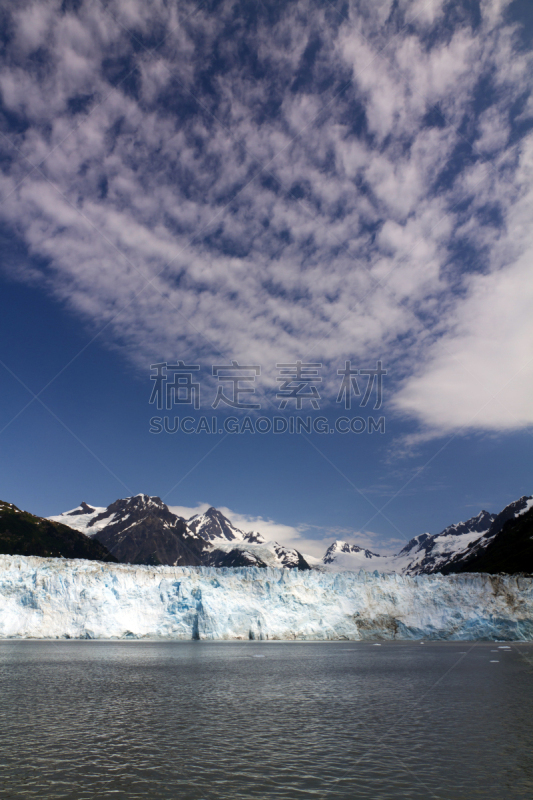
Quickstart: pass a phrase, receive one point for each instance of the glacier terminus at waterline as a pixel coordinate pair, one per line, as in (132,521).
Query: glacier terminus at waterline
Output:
(60,598)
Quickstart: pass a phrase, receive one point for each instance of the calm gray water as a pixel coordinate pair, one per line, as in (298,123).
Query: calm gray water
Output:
(193,720)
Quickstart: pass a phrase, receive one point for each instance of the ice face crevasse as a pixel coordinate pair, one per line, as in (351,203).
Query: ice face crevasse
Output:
(58,598)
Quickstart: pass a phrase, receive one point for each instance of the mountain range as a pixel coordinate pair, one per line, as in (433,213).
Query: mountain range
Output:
(143,530)
(486,542)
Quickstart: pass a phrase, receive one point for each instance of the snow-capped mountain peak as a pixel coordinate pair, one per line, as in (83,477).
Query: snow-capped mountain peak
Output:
(345,557)
(485,538)
(92,519)
(143,529)
(429,553)
(233,547)
(83,508)
(344,547)
(434,551)
(478,524)
(212,526)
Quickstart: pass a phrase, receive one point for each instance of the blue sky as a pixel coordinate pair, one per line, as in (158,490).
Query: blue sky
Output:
(268,183)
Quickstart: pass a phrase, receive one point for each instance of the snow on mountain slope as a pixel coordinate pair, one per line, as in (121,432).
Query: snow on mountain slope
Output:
(58,598)
(340,548)
(525,507)
(214,526)
(93,519)
(436,551)
(233,547)
(342,556)
(254,537)
(474,550)
(139,530)
(258,554)
(427,553)
(510,551)
(83,518)
(144,530)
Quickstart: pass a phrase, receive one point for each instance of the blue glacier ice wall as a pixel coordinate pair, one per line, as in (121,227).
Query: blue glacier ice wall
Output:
(58,598)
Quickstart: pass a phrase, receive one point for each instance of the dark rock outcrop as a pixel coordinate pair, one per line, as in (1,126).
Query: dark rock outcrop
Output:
(142,530)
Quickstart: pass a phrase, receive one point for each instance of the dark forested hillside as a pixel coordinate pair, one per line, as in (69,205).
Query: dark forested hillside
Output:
(23,534)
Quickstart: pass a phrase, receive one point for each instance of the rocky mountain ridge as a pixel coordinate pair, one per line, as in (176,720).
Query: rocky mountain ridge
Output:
(457,548)
(143,530)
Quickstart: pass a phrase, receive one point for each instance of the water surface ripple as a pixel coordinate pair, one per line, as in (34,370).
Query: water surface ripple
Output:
(217,720)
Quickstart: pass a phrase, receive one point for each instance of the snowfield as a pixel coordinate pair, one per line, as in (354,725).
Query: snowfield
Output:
(58,598)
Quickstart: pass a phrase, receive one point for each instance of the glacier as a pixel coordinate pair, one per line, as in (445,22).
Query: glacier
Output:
(73,599)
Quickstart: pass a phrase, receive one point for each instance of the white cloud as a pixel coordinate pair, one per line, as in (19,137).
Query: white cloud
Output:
(287,535)
(479,376)
(345,245)
(291,535)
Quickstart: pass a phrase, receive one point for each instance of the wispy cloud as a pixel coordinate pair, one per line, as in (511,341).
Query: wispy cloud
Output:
(268,182)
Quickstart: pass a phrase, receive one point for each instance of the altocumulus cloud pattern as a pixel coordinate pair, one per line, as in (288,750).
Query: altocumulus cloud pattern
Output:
(270,181)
